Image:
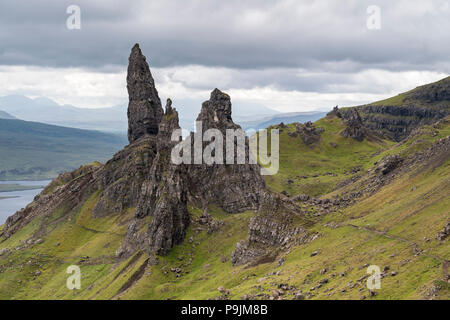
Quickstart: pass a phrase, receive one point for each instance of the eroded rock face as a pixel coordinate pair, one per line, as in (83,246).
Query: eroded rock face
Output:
(120,180)
(161,216)
(421,106)
(355,128)
(142,177)
(431,93)
(216,112)
(144,108)
(397,122)
(233,187)
(388,163)
(272,228)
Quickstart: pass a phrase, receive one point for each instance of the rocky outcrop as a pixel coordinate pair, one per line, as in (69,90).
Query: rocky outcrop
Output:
(388,163)
(308,132)
(395,165)
(355,128)
(335,112)
(271,229)
(216,112)
(161,217)
(431,93)
(233,187)
(121,178)
(444,233)
(300,197)
(144,108)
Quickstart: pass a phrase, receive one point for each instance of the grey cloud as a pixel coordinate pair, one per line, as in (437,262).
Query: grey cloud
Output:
(282,79)
(314,35)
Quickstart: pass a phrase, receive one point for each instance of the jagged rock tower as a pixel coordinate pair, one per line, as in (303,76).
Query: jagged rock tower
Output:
(144,108)
(141,184)
(232,187)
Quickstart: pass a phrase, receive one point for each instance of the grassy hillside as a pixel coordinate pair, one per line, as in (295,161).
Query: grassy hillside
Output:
(32,150)
(17,187)
(393,227)
(319,168)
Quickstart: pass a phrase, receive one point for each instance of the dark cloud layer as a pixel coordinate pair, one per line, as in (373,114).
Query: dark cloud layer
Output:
(291,55)
(316,35)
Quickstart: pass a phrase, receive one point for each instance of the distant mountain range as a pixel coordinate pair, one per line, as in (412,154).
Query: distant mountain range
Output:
(344,199)
(44,142)
(5,115)
(286,118)
(114,119)
(31,150)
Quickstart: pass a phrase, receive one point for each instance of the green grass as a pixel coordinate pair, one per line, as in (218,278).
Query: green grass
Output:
(383,229)
(309,167)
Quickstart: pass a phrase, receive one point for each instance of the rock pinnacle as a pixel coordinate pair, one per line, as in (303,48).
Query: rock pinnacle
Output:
(144,109)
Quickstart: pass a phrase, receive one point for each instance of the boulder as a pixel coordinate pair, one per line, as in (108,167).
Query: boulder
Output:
(388,163)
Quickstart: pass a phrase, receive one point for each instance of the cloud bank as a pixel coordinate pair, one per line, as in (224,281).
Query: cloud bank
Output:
(288,55)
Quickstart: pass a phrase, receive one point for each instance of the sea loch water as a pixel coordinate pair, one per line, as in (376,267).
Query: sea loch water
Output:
(19,199)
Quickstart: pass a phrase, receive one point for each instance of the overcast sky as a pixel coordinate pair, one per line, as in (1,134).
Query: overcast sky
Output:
(289,55)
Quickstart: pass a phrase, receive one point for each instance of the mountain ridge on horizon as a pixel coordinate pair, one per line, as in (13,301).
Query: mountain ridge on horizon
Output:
(34,150)
(109,119)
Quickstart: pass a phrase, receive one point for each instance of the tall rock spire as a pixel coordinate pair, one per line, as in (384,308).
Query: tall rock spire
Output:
(144,109)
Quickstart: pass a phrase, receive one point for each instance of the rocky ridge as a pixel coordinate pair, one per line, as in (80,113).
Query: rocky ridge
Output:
(399,116)
(142,178)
